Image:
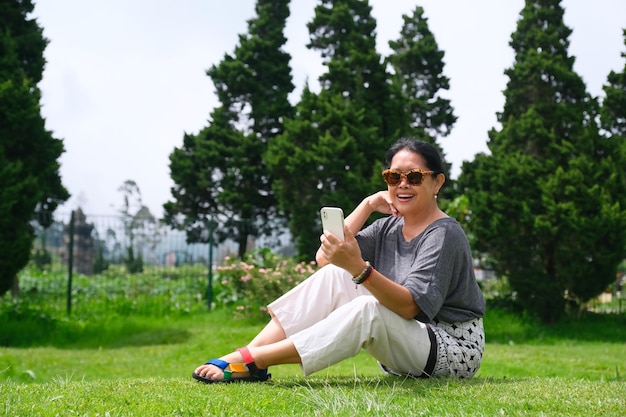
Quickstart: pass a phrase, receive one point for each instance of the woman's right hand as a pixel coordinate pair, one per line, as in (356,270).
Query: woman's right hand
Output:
(381,202)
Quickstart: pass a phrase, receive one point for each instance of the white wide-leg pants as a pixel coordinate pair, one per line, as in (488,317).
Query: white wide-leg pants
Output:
(330,320)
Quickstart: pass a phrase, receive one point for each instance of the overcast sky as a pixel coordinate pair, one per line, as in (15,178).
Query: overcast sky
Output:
(125,79)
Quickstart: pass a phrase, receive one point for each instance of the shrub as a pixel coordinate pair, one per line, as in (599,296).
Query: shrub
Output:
(133,265)
(41,258)
(100,264)
(499,295)
(156,292)
(251,283)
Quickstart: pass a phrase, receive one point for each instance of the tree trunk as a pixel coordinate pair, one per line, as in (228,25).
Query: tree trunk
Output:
(15,286)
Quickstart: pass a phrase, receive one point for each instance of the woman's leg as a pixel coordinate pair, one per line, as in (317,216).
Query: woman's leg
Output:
(327,321)
(402,345)
(272,332)
(311,301)
(314,299)
(308,303)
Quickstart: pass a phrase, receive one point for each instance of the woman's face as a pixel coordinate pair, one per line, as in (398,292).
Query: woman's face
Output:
(406,197)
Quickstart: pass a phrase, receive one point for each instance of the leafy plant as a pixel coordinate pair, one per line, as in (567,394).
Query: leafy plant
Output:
(134,265)
(42,258)
(249,284)
(100,264)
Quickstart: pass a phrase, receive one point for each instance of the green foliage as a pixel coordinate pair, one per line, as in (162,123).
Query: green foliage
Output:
(42,258)
(250,284)
(134,265)
(418,69)
(548,206)
(613,110)
(245,287)
(195,170)
(346,128)
(154,293)
(17,234)
(318,161)
(458,208)
(100,264)
(29,178)
(499,295)
(220,176)
(22,40)
(418,79)
(326,153)
(344,32)
(259,163)
(331,152)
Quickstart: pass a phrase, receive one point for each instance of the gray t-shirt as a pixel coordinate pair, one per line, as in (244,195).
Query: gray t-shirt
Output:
(436,267)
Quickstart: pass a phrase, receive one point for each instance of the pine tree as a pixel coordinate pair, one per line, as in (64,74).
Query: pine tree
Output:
(220,174)
(613,110)
(418,79)
(318,161)
(544,203)
(344,32)
(327,154)
(30,185)
(613,117)
(331,152)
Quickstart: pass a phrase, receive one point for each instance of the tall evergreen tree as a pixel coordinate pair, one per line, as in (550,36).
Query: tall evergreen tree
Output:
(255,83)
(331,152)
(613,110)
(30,185)
(613,120)
(318,161)
(327,154)
(544,204)
(227,157)
(419,81)
(344,32)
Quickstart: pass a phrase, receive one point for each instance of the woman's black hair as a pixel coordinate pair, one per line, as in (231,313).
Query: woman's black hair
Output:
(430,154)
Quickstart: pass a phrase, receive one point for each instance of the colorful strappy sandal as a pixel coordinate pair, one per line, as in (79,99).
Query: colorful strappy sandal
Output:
(256,374)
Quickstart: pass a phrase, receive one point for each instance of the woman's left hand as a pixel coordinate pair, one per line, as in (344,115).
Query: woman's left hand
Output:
(345,254)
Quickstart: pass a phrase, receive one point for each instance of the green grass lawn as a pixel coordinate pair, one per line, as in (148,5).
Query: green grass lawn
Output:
(142,367)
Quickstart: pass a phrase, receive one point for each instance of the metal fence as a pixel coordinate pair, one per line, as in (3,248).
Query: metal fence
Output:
(97,262)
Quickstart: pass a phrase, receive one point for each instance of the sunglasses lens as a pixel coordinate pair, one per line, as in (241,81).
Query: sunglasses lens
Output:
(414,178)
(392,178)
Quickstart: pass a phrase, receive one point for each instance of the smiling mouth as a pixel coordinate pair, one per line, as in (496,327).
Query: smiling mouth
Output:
(404,197)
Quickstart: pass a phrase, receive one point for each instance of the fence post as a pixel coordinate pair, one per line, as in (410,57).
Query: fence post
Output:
(70,264)
(209,291)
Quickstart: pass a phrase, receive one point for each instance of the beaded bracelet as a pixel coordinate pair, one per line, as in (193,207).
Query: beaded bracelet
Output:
(364,275)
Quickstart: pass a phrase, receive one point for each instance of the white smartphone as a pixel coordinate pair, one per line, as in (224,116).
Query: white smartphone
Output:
(332,220)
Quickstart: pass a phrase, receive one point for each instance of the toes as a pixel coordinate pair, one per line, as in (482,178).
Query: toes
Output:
(202,370)
(208,371)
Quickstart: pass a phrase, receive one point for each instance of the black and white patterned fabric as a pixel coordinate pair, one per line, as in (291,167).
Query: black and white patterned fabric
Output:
(460,348)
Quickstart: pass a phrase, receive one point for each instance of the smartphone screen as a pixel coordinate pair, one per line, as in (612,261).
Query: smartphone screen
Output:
(332,220)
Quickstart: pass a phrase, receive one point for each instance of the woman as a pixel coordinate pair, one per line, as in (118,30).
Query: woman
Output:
(403,289)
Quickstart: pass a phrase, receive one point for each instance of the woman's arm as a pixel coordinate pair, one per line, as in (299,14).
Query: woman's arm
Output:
(379,202)
(392,295)
(347,255)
